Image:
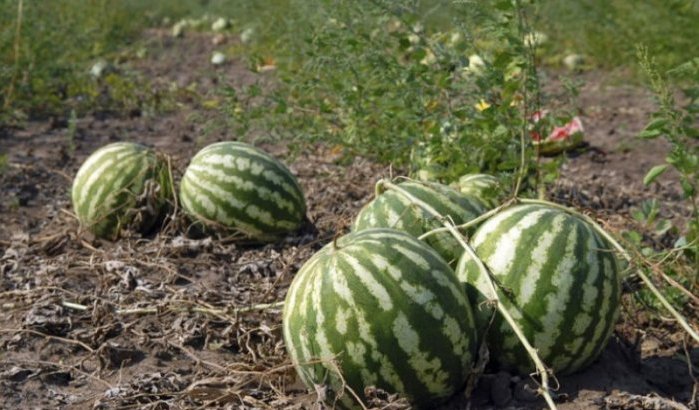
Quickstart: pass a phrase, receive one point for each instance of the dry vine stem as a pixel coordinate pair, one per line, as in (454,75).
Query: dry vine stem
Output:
(538,363)
(154,310)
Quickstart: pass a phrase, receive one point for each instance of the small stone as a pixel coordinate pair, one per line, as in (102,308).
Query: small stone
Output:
(100,68)
(247,35)
(218,58)
(220,24)
(179,28)
(573,61)
(218,39)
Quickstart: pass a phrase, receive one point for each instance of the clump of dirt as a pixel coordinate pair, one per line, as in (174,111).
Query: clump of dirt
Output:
(171,321)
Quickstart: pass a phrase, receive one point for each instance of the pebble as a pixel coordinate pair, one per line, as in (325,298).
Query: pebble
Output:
(218,58)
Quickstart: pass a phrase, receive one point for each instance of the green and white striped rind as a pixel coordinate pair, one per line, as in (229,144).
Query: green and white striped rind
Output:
(562,286)
(482,186)
(388,310)
(391,209)
(239,187)
(110,185)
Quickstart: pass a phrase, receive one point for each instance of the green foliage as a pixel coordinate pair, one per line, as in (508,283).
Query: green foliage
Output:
(404,84)
(678,124)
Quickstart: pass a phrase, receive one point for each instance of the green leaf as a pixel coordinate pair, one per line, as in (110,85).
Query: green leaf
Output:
(657,124)
(662,227)
(654,173)
(650,134)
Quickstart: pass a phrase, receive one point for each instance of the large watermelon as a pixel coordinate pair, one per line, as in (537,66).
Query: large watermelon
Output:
(388,311)
(485,187)
(121,185)
(235,186)
(561,281)
(391,209)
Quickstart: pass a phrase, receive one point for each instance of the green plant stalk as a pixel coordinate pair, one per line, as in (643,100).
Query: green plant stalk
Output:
(542,370)
(646,280)
(525,104)
(18,41)
(674,135)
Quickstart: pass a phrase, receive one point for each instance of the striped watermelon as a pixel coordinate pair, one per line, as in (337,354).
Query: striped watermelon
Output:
(238,187)
(391,209)
(485,187)
(562,286)
(385,310)
(121,185)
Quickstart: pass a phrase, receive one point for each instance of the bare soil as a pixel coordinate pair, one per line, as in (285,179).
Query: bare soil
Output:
(150,322)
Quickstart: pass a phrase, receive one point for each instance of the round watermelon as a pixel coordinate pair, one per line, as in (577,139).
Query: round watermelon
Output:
(485,187)
(123,185)
(558,279)
(391,209)
(237,187)
(379,308)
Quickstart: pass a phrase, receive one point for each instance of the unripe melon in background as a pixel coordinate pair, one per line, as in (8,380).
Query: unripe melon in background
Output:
(237,187)
(391,209)
(485,187)
(122,185)
(561,281)
(385,310)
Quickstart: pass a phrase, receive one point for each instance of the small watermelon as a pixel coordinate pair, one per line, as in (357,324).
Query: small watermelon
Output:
(237,187)
(391,209)
(485,187)
(561,286)
(385,310)
(123,185)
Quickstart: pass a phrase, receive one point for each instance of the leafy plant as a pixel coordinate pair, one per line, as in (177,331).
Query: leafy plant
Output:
(647,214)
(437,91)
(678,125)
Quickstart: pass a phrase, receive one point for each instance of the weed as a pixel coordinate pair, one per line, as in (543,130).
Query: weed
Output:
(678,125)
(71,132)
(381,80)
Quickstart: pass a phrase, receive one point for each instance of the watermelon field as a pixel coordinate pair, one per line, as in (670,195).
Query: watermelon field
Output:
(352,205)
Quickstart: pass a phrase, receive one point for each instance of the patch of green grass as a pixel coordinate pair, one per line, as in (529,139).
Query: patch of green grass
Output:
(47,49)
(607,32)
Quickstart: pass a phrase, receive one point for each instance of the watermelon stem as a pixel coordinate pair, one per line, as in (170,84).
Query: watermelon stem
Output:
(472,222)
(542,370)
(646,280)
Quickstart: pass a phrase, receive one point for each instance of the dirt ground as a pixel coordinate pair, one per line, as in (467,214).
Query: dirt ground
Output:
(151,322)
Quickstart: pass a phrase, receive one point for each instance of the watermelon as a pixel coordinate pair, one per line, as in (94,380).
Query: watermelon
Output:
(561,286)
(383,309)
(123,185)
(239,188)
(482,186)
(391,209)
